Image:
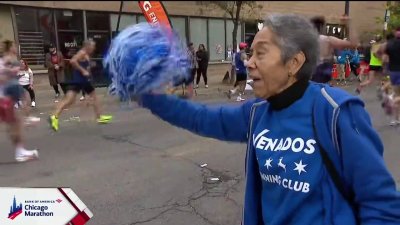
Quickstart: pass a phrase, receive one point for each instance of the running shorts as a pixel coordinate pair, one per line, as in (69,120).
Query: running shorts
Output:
(7,113)
(14,91)
(375,68)
(86,87)
(241,77)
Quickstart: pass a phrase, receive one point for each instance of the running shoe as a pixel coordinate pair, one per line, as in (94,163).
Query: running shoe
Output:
(394,122)
(27,155)
(104,119)
(33,104)
(82,98)
(53,121)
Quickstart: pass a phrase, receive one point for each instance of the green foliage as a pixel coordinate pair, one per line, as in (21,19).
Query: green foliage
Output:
(394,20)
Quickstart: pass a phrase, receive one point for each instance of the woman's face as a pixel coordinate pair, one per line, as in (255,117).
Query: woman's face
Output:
(266,68)
(22,63)
(201,47)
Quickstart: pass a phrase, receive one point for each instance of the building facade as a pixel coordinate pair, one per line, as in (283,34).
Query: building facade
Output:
(35,24)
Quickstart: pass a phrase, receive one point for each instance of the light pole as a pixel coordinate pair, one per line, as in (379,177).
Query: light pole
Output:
(346,13)
(386,19)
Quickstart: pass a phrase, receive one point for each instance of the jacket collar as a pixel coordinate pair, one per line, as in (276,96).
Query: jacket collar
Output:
(289,95)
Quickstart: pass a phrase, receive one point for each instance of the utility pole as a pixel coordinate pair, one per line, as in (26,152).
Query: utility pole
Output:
(386,19)
(346,13)
(119,15)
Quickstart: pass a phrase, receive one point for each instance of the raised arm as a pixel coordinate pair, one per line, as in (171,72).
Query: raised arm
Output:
(229,122)
(337,43)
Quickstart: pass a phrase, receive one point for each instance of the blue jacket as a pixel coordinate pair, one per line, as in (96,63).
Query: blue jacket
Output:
(344,130)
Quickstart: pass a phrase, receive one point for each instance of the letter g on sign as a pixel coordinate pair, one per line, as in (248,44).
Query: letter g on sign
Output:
(146,5)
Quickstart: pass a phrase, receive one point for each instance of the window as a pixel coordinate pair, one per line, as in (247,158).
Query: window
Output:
(179,25)
(335,30)
(97,21)
(70,35)
(35,32)
(198,32)
(98,26)
(142,19)
(229,30)
(125,21)
(217,39)
(70,31)
(69,20)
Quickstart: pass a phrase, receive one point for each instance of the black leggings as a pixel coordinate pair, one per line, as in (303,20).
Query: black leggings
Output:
(55,87)
(201,71)
(30,91)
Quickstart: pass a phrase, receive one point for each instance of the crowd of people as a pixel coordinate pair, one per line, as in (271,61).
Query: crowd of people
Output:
(17,94)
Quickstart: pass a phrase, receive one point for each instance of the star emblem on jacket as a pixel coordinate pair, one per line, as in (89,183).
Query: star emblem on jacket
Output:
(268,163)
(300,167)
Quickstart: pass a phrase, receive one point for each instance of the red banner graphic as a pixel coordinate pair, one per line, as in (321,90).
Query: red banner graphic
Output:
(155,13)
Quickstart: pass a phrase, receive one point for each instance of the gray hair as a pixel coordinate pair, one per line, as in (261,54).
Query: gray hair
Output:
(295,34)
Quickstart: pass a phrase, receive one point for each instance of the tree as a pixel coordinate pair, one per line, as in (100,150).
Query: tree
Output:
(236,11)
(394,18)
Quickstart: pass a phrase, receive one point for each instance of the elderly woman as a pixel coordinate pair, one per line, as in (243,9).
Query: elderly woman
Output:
(313,156)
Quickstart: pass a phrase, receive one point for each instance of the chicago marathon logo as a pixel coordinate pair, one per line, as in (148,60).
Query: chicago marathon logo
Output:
(32,208)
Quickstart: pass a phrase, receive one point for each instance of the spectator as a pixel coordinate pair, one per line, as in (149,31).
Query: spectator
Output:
(202,61)
(313,156)
(25,79)
(55,64)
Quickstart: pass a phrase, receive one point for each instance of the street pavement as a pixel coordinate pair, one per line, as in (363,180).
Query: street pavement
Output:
(141,170)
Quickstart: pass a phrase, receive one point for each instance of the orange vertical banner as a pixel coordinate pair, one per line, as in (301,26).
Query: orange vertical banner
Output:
(155,13)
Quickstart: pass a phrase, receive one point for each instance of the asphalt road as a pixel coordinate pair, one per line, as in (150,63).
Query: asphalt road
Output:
(140,170)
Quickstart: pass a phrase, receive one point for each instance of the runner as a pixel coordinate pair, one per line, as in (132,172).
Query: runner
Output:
(375,65)
(323,73)
(392,50)
(10,92)
(241,72)
(80,81)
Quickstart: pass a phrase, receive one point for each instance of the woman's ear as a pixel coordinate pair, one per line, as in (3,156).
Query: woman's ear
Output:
(296,63)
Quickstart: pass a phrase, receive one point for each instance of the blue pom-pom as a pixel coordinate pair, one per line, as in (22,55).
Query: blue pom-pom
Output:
(144,58)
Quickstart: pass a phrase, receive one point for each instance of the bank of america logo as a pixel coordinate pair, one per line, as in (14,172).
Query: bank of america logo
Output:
(15,210)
